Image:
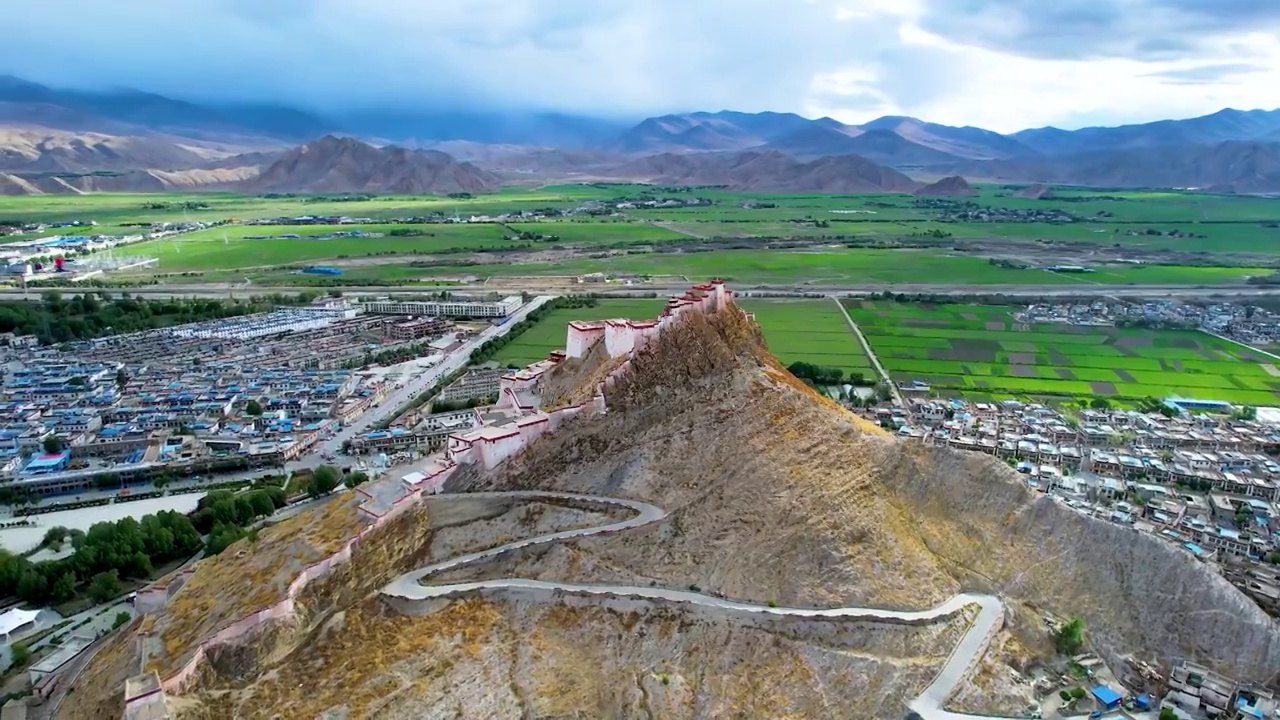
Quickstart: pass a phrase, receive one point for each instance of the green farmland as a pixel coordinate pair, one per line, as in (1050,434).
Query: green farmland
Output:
(1133,238)
(836,266)
(812,331)
(985,351)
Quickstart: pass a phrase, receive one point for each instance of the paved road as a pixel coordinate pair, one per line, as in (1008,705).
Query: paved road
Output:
(418,385)
(928,703)
(743,289)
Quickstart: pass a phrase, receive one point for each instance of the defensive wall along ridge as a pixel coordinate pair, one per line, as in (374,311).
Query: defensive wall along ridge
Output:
(486,447)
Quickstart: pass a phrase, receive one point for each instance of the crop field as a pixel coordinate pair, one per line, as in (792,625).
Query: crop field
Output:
(549,333)
(1110,224)
(255,246)
(812,331)
(834,266)
(986,350)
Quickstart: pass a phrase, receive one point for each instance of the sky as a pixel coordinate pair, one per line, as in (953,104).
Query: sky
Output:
(1000,64)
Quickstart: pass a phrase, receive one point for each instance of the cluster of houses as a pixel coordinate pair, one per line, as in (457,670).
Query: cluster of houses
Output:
(217,396)
(1209,484)
(1244,323)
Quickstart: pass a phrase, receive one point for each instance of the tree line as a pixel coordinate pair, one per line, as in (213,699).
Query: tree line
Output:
(223,514)
(489,348)
(818,375)
(56,319)
(108,552)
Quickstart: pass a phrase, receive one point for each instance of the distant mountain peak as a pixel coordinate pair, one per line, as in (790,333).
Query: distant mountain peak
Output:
(343,164)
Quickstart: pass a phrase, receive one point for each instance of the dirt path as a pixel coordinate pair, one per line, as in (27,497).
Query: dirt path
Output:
(866,347)
(929,703)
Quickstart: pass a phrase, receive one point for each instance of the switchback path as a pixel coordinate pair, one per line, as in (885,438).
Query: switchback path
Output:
(928,703)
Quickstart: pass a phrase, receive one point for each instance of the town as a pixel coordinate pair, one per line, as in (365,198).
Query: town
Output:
(233,395)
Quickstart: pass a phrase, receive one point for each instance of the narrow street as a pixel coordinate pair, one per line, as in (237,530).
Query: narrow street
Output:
(389,405)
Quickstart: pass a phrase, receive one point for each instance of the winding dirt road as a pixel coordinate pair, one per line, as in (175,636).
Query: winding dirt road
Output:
(928,703)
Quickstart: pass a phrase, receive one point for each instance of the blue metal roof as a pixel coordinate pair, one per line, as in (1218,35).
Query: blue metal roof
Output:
(1106,695)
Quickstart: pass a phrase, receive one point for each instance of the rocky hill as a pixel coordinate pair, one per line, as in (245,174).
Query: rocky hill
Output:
(334,164)
(130,181)
(768,172)
(1243,167)
(47,151)
(774,495)
(952,186)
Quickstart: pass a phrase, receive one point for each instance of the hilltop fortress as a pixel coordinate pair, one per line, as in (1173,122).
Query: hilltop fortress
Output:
(519,397)
(515,421)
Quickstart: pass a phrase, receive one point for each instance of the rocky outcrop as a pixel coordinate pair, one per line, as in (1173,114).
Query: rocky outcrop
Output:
(768,172)
(334,164)
(953,186)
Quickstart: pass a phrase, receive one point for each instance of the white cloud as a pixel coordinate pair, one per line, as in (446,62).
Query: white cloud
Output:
(1003,64)
(1006,92)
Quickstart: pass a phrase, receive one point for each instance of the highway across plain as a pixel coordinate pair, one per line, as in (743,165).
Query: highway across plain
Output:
(1029,291)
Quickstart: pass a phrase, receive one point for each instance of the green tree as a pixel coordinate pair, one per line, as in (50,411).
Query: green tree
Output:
(261,503)
(356,478)
(53,445)
(12,568)
(323,481)
(32,586)
(1168,714)
(64,588)
(1070,637)
(105,586)
(221,537)
(122,618)
(1274,557)
(54,536)
(253,408)
(20,654)
(1078,693)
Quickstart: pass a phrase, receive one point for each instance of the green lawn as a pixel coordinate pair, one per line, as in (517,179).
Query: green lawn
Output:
(958,348)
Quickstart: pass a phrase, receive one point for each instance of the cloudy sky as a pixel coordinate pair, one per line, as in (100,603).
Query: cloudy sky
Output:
(1000,64)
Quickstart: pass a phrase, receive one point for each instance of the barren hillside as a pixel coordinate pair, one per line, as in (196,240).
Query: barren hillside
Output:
(333,164)
(768,172)
(952,186)
(773,495)
(777,494)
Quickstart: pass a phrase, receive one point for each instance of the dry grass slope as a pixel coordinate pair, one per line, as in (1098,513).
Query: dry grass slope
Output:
(776,493)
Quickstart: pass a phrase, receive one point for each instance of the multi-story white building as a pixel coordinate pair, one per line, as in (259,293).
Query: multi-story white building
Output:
(444,308)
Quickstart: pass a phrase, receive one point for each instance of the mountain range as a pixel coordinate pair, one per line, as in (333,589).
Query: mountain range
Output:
(46,131)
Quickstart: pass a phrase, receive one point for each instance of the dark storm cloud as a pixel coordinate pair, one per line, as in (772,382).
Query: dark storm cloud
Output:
(1083,29)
